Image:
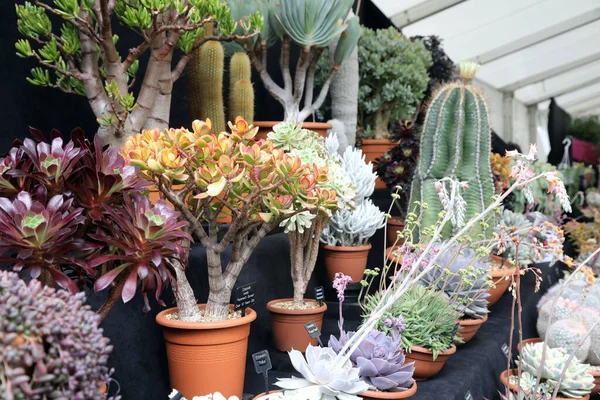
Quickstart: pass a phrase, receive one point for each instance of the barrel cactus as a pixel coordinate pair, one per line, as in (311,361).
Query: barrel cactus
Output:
(463,277)
(577,381)
(380,361)
(570,335)
(455,143)
(50,344)
(554,311)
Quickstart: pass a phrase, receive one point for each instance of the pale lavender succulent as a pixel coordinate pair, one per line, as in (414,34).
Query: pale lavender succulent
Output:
(380,361)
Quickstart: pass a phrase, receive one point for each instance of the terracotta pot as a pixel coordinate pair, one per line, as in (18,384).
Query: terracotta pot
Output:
(373,149)
(596,375)
(374,394)
(154,194)
(264,127)
(394,225)
(390,257)
(513,388)
(207,357)
(499,279)
(528,341)
(469,327)
(351,261)
(425,365)
(288,325)
(260,395)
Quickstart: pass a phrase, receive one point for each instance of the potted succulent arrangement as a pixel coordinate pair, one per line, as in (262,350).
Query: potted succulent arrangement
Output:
(345,239)
(585,132)
(393,79)
(396,168)
(304,230)
(85,60)
(287,22)
(262,186)
(463,277)
(52,346)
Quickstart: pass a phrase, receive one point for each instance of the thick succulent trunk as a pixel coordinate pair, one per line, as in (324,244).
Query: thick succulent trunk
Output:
(380,124)
(217,306)
(114,137)
(184,295)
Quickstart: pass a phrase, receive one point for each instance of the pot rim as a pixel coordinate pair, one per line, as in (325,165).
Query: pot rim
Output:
(471,321)
(391,395)
(502,273)
(276,310)
(512,387)
(420,349)
(396,220)
(347,248)
(307,124)
(224,324)
(376,141)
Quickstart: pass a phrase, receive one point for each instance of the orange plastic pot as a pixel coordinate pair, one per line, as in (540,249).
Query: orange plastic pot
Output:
(513,388)
(394,225)
(207,357)
(425,365)
(501,279)
(469,327)
(391,257)
(596,375)
(528,341)
(374,394)
(264,394)
(288,325)
(373,149)
(351,261)
(264,127)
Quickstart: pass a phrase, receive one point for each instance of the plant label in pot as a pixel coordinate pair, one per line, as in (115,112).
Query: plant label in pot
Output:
(319,294)
(245,296)
(262,365)
(313,331)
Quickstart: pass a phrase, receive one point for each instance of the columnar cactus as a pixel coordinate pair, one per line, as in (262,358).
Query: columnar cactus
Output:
(205,85)
(456,143)
(241,92)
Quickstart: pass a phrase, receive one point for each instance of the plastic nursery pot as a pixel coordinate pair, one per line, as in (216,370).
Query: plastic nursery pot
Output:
(499,277)
(155,195)
(394,225)
(264,127)
(350,261)
(375,394)
(596,375)
(391,257)
(513,387)
(425,365)
(528,341)
(265,396)
(288,325)
(469,327)
(373,149)
(207,357)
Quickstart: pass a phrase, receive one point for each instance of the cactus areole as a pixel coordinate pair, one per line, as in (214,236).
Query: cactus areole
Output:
(455,143)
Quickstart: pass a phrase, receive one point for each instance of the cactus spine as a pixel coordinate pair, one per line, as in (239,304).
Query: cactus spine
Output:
(205,85)
(241,92)
(456,143)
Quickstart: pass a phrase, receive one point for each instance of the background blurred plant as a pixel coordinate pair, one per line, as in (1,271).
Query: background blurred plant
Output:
(586,128)
(501,171)
(62,208)
(312,26)
(79,55)
(201,173)
(393,79)
(50,344)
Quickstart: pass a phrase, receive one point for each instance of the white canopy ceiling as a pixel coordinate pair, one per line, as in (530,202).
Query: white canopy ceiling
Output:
(537,49)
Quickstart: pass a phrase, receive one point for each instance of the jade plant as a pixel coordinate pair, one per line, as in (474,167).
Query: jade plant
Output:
(305,229)
(455,144)
(75,44)
(73,214)
(51,345)
(312,26)
(355,227)
(200,173)
(393,79)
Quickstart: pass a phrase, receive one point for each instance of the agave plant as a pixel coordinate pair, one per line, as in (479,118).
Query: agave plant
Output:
(321,377)
(464,278)
(380,361)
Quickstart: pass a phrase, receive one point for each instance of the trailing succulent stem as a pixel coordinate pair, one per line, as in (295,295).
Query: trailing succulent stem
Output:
(455,143)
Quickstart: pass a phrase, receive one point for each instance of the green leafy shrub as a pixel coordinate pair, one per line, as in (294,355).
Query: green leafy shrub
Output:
(586,128)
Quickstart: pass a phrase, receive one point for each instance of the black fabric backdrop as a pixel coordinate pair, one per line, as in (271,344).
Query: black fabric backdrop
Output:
(558,124)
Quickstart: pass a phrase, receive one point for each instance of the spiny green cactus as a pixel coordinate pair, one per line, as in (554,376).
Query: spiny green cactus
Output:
(205,85)
(570,335)
(455,143)
(241,92)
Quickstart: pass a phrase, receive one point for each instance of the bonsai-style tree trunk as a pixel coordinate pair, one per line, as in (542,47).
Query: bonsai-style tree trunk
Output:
(261,186)
(304,248)
(282,22)
(83,59)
